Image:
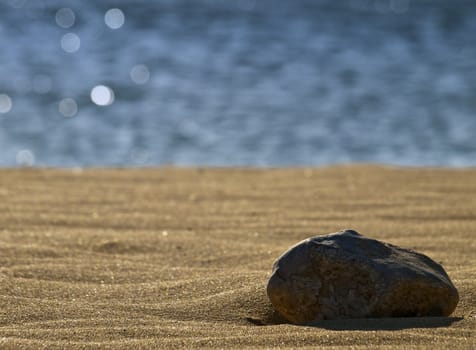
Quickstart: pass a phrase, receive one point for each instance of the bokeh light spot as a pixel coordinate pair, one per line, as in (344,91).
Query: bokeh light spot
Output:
(65,17)
(140,74)
(70,42)
(25,157)
(114,18)
(102,95)
(5,103)
(68,107)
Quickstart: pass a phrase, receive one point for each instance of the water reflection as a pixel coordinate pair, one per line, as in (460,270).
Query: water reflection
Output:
(68,107)
(5,103)
(140,74)
(65,17)
(70,42)
(114,18)
(102,95)
(25,157)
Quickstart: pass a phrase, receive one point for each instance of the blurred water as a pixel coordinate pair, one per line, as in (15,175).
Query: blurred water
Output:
(216,82)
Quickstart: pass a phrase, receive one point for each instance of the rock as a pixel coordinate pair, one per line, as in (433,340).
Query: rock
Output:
(346,275)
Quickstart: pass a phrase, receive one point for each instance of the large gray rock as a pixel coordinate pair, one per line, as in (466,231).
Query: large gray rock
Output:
(346,275)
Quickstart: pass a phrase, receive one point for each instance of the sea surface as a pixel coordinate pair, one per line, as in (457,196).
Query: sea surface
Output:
(228,83)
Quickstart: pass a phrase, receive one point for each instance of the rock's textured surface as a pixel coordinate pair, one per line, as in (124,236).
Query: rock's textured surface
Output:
(346,275)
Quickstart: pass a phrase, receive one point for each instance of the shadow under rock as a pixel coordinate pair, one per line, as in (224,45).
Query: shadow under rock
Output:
(394,323)
(362,324)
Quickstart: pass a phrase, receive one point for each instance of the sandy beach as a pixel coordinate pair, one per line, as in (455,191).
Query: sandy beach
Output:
(179,258)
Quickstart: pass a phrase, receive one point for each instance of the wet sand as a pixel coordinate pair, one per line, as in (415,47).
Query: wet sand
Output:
(179,258)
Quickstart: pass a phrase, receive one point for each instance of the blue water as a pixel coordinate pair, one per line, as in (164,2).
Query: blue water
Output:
(259,83)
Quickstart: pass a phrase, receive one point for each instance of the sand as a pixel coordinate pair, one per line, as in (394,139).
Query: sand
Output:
(179,258)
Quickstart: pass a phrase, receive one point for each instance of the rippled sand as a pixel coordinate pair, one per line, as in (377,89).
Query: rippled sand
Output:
(180,257)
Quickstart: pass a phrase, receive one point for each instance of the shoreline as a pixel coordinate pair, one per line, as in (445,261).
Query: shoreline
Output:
(241,167)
